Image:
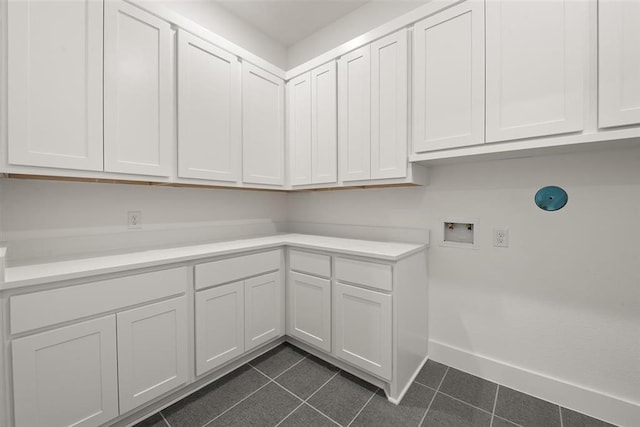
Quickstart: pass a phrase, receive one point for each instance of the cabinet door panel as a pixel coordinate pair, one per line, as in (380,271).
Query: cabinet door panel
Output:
(619,63)
(264,318)
(152,351)
(55,84)
(208,111)
(138,76)
(300,129)
(389,99)
(262,126)
(362,326)
(536,60)
(219,326)
(324,139)
(67,376)
(354,124)
(310,310)
(449,78)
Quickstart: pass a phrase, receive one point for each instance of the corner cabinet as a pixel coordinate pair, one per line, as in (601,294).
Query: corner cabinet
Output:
(448,78)
(55,84)
(618,63)
(239,306)
(536,56)
(209,111)
(373,85)
(262,127)
(312,125)
(366,314)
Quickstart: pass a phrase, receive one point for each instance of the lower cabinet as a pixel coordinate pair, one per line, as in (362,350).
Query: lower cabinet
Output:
(362,328)
(264,315)
(67,376)
(234,318)
(219,326)
(152,351)
(309,310)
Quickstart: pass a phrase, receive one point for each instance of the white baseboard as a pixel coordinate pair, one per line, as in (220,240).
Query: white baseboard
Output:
(578,398)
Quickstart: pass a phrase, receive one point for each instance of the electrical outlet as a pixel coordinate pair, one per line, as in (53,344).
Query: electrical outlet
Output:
(501,237)
(134,219)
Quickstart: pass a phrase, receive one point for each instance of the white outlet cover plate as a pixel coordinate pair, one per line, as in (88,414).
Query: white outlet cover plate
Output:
(501,237)
(134,219)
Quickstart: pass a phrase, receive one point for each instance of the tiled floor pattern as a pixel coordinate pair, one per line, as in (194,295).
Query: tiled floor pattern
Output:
(289,387)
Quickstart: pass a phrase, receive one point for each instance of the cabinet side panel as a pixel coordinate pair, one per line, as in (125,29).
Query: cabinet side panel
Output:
(411,317)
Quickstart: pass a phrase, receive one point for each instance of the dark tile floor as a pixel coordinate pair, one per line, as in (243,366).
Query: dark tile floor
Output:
(289,387)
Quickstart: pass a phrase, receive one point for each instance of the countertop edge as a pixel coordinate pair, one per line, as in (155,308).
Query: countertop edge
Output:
(278,242)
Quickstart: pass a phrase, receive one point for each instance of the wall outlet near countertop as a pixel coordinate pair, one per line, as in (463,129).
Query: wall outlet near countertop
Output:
(134,219)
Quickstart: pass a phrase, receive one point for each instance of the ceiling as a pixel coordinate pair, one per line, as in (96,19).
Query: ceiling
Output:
(289,21)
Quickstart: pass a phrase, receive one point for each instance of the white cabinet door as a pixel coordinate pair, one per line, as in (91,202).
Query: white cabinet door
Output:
(324,132)
(264,318)
(152,351)
(262,127)
(137,91)
(536,67)
(299,106)
(67,376)
(209,125)
(362,328)
(448,78)
(354,115)
(55,84)
(619,62)
(309,310)
(219,326)
(389,99)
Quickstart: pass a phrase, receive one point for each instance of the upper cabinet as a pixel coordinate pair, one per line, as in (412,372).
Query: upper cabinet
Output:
(372,105)
(536,56)
(619,63)
(138,92)
(262,127)
(448,78)
(312,107)
(55,84)
(389,106)
(299,129)
(209,112)
(354,114)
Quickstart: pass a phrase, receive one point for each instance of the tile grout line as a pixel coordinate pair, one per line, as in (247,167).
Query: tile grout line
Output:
(495,402)
(560,413)
(434,397)
(289,414)
(165,420)
(363,406)
(466,403)
(306,401)
(237,403)
(323,414)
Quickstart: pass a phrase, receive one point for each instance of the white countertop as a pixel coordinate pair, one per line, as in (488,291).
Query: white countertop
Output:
(34,274)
